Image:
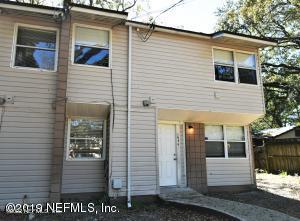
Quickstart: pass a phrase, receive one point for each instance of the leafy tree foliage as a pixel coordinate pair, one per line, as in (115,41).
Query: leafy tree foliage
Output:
(278,20)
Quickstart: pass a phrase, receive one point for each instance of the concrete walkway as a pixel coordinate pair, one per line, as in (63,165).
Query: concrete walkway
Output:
(241,211)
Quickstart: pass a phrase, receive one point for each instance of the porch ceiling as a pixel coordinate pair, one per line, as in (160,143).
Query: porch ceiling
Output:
(87,110)
(207,116)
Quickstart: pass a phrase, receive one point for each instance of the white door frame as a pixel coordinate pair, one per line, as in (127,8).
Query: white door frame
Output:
(181,156)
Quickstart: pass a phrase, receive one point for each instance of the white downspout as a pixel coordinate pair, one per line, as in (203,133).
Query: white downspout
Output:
(129,120)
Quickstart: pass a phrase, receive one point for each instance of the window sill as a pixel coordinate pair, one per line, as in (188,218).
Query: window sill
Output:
(228,158)
(228,83)
(84,160)
(34,69)
(91,66)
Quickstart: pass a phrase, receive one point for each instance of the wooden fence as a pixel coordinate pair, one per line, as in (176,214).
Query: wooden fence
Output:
(279,155)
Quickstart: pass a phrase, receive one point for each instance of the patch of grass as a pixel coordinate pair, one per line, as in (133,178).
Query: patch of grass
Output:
(283,173)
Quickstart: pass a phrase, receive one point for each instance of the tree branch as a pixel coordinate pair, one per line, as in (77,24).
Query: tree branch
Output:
(281,66)
(131,6)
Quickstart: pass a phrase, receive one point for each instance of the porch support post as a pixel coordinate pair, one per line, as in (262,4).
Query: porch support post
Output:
(60,112)
(195,157)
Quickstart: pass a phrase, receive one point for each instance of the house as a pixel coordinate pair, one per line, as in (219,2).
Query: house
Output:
(93,103)
(288,132)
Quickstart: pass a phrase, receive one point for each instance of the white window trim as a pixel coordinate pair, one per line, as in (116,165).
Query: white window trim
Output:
(236,73)
(14,46)
(225,141)
(69,137)
(75,25)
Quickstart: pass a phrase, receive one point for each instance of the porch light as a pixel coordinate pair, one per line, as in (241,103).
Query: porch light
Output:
(190,129)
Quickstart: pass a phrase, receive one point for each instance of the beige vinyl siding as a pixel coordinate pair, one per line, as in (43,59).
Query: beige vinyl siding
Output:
(143,148)
(143,151)
(231,171)
(88,84)
(27,129)
(224,172)
(178,73)
(83,177)
(91,84)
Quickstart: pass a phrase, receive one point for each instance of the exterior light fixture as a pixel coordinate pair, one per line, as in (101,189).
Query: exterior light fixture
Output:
(190,129)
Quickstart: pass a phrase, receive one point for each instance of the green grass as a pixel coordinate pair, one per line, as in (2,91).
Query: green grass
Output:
(283,173)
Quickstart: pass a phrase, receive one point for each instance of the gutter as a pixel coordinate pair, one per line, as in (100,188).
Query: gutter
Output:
(129,120)
(29,8)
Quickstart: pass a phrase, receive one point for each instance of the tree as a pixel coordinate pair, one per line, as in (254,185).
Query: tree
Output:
(278,20)
(119,5)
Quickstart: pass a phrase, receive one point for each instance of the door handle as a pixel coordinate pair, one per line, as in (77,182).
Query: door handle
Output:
(175,157)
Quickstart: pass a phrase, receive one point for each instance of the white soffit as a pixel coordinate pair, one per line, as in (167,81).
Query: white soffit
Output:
(207,116)
(247,40)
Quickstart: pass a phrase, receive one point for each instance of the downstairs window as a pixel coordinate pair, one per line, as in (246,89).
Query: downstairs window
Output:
(225,141)
(85,139)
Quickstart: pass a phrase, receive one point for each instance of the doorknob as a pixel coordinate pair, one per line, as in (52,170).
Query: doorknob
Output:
(175,157)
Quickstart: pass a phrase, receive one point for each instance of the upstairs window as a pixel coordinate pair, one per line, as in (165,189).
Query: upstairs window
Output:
(35,48)
(224,65)
(235,66)
(225,141)
(246,68)
(85,139)
(92,47)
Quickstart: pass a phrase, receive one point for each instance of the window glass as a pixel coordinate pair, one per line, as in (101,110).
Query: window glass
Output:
(86,139)
(214,149)
(236,149)
(223,57)
(36,38)
(235,133)
(35,48)
(91,47)
(91,56)
(224,73)
(92,37)
(215,141)
(35,58)
(214,132)
(247,76)
(246,60)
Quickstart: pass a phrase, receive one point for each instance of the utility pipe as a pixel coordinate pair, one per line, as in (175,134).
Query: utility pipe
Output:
(129,120)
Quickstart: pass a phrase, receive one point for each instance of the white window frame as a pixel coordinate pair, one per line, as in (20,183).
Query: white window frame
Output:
(69,137)
(14,46)
(225,141)
(236,73)
(75,25)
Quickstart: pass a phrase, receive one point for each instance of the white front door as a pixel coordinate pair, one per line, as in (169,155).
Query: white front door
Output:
(167,154)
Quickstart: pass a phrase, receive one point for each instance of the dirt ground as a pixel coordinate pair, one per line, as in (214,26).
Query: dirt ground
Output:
(277,192)
(141,212)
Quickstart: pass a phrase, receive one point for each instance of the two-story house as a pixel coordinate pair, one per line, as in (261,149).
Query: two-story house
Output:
(93,103)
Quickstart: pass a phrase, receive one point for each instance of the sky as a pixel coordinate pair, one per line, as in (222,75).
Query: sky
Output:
(194,15)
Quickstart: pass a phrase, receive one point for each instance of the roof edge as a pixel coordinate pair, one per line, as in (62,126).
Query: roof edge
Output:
(99,9)
(50,10)
(28,7)
(265,41)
